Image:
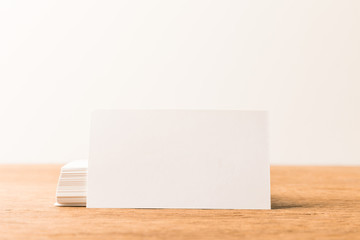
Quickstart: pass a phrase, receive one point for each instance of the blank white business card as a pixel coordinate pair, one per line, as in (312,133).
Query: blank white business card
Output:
(213,159)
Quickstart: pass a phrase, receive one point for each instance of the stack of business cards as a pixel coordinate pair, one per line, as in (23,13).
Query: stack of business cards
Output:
(71,189)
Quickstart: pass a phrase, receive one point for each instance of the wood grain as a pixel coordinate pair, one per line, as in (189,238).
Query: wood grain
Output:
(307,202)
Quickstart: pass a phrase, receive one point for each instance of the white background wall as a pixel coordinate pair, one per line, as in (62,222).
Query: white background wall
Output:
(59,60)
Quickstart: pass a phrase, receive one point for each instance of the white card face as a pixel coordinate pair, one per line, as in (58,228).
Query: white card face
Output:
(179,159)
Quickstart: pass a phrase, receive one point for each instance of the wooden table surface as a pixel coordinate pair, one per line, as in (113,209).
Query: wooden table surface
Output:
(307,202)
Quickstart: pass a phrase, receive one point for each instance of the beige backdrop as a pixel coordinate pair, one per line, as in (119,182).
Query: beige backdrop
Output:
(300,60)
